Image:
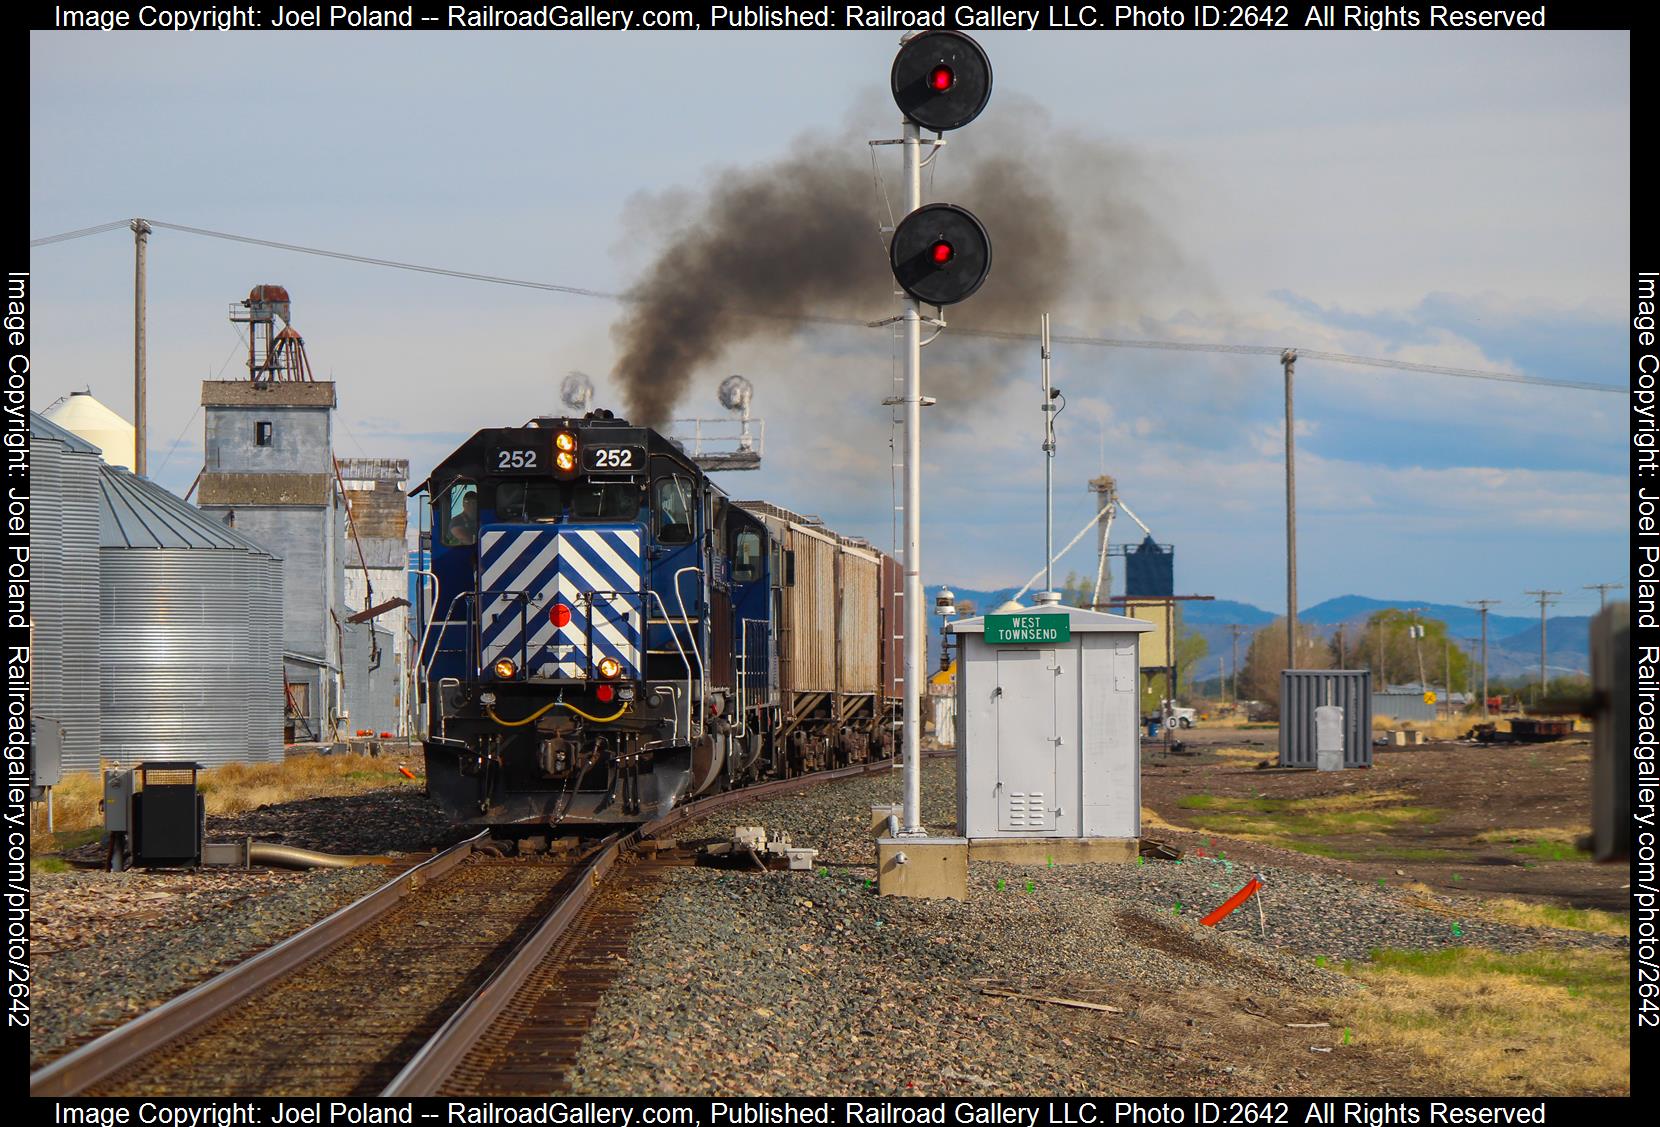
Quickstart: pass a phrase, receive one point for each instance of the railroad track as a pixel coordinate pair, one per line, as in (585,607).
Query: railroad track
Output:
(406,991)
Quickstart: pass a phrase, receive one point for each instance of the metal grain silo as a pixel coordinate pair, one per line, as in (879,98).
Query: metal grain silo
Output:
(64,582)
(190,671)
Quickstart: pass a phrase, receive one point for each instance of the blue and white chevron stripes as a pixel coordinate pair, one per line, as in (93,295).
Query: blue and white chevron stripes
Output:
(594,572)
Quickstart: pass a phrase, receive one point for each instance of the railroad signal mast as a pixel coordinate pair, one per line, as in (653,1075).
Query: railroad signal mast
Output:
(940,254)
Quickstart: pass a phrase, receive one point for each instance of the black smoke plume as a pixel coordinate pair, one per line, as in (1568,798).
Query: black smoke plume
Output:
(766,249)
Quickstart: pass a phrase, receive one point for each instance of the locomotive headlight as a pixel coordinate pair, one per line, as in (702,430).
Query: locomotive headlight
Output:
(565,441)
(505,669)
(610,668)
(565,460)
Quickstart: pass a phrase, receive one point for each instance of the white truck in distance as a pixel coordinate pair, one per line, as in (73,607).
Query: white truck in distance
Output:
(1177,715)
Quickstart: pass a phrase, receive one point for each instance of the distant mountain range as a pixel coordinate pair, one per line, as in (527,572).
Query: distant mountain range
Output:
(1512,640)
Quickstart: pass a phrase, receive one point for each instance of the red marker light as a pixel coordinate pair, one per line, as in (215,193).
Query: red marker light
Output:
(560,615)
(605,693)
(941,79)
(942,252)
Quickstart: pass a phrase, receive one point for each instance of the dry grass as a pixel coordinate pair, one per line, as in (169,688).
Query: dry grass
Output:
(1475,1016)
(1245,754)
(1525,913)
(1150,820)
(230,789)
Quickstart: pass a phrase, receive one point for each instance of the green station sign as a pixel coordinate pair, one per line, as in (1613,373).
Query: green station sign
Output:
(1027,629)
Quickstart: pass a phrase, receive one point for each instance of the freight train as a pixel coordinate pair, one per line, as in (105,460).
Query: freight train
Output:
(606,634)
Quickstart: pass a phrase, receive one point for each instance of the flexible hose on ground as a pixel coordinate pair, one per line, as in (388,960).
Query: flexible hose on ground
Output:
(292,857)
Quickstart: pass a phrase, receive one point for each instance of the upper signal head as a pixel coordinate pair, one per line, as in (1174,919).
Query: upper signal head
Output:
(941,79)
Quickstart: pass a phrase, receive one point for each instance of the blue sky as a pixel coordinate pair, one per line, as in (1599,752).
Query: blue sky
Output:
(1450,199)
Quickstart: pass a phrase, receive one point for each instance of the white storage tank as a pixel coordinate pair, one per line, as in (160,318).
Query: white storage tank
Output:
(83,415)
(1047,736)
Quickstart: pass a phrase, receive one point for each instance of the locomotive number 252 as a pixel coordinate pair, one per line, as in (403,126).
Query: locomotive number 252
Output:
(621,459)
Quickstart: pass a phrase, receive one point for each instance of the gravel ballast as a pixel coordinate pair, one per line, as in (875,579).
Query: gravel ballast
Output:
(109,946)
(790,982)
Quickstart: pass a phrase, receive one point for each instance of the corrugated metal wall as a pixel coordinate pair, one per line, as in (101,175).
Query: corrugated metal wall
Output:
(860,645)
(1402,706)
(63,596)
(1304,690)
(46,585)
(893,627)
(178,659)
(267,705)
(371,694)
(810,607)
(81,502)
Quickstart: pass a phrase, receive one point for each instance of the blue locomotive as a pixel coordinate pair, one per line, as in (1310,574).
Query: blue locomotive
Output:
(605,634)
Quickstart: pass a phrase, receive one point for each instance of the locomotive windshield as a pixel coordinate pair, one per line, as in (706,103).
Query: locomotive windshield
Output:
(546,502)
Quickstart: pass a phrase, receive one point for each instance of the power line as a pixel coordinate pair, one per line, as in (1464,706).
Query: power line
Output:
(859,322)
(79,234)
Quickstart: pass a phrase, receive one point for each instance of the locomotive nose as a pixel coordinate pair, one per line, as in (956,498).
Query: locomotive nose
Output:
(559,602)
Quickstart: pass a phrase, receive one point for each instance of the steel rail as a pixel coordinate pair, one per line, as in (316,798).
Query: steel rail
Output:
(108,1054)
(437,1060)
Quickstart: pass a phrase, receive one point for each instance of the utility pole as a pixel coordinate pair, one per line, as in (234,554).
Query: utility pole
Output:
(1417,645)
(1602,590)
(1342,652)
(1544,601)
(1288,358)
(1237,631)
(141,242)
(1482,605)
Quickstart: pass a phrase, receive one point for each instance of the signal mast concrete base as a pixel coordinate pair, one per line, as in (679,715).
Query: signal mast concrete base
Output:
(1055,850)
(928,868)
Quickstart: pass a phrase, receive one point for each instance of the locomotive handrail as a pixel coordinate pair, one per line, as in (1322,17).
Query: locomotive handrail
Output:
(426,663)
(674,637)
(702,675)
(743,679)
(627,598)
(425,616)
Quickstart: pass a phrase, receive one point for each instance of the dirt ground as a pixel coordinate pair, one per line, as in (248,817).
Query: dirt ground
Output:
(1493,820)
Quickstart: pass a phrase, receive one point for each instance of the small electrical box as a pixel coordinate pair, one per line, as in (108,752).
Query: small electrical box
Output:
(154,815)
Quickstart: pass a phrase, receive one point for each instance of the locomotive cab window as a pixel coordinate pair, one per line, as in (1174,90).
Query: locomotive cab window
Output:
(746,557)
(459,512)
(675,505)
(608,500)
(541,502)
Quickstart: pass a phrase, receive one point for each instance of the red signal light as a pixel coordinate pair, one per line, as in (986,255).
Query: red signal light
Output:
(941,79)
(605,693)
(942,252)
(560,615)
